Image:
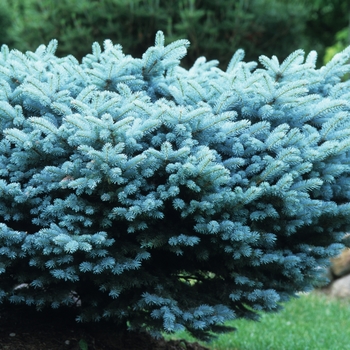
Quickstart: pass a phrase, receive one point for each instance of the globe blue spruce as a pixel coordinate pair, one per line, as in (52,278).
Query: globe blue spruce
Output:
(141,193)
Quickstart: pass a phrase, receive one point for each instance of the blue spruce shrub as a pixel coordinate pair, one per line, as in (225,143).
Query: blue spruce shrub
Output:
(169,199)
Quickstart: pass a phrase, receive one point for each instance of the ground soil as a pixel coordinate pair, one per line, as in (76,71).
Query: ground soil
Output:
(22,329)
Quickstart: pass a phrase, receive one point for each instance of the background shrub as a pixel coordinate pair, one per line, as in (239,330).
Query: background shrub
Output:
(215,29)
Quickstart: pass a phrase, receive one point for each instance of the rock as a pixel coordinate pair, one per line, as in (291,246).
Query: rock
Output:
(340,288)
(341,264)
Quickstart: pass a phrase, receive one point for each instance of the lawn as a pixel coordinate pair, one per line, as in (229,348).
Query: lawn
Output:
(311,322)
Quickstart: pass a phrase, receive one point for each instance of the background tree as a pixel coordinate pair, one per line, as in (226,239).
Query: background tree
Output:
(215,29)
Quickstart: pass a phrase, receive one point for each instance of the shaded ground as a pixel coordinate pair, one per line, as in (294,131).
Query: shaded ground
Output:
(25,330)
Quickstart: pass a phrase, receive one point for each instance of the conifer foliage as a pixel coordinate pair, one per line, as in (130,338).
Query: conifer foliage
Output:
(141,193)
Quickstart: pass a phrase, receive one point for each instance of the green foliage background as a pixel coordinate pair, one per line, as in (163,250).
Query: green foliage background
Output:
(216,29)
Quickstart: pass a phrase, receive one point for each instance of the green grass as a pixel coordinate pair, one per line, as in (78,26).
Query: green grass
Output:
(311,322)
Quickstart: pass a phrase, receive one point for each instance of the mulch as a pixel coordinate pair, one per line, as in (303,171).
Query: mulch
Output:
(21,329)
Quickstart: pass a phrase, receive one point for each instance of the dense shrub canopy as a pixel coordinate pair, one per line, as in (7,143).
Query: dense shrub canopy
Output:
(167,198)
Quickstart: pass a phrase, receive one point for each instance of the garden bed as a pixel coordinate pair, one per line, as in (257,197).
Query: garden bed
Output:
(23,329)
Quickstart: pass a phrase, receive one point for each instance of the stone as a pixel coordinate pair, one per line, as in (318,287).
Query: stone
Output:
(340,288)
(340,266)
